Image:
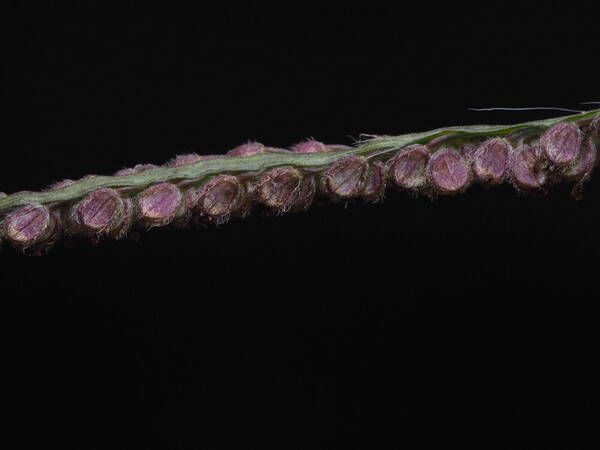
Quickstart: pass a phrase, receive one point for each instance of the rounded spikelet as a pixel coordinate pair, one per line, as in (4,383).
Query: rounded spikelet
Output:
(448,171)
(135,169)
(100,212)
(408,168)
(279,188)
(182,160)
(123,172)
(490,161)
(309,147)
(29,225)
(249,149)
(594,130)
(219,197)
(596,125)
(561,143)
(375,182)
(345,178)
(160,204)
(527,168)
(60,184)
(128,218)
(584,163)
(306,193)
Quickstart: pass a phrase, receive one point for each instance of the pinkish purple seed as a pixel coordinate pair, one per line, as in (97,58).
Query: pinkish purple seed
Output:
(595,127)
(220,196)
(584,162)
(123,172)
(375,182)
(60,184)
(160,204)
(306,193)
(181,160)
(467,150)
(561,142)
(527,168)
(128,216)
(309,147)
(408,167)
(249,149)
(449,171)
(346,177)
(135,169)
(100,211)
(279,188)
(490,161)
(28,225)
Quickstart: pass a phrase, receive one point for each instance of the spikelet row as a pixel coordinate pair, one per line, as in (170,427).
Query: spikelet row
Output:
(563,152)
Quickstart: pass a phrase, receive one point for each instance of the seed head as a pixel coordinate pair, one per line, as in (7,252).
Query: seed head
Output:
(28,225)
(219,197)
(560,143)
(448,171)
(408,168)
(346,177)
(527,168)
(490,161)
(279,188)
(160,204)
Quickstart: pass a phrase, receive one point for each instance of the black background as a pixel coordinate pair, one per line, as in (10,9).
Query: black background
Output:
(463,321)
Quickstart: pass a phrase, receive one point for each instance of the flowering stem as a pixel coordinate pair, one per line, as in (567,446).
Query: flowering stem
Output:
(205,189)
(199,171)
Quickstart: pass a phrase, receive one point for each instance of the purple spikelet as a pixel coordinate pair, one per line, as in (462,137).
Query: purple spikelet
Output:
(528,168)
(490,161)
(448,171)
(160,205)
(249,149)
(309,147)
(278,189)
(219,198)
(346,177)
(28,226)
(181,160)
(375,182)
(584,162)
(101,212)
(561,143)
(408,168)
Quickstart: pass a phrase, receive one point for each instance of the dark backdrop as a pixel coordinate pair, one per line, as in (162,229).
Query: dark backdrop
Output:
(463,321)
